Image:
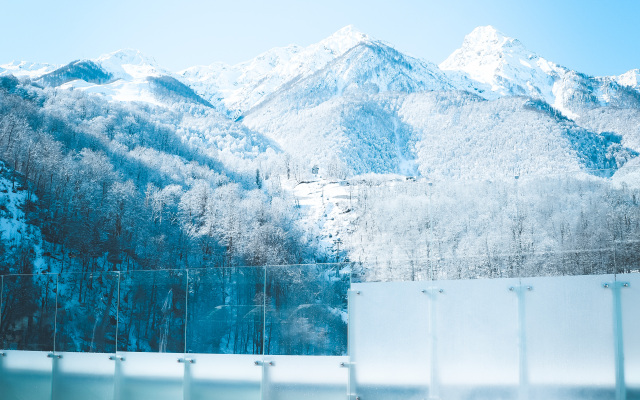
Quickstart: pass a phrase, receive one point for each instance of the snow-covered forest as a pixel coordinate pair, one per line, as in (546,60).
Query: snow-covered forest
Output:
(496,163)
(565,224)
(116,164)
(109,188)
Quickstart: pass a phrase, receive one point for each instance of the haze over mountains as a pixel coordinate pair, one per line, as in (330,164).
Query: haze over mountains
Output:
(293,121)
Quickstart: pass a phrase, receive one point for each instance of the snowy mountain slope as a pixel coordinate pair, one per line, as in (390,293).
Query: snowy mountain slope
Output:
(367,68)
(341,117)
(505,65)
(241,86)
(326,206)
(25,69)
(620,120)
(137,83)
(126,64)
(508,68)
(462,137)
(125,75)
(163,91)
(342,136)
(352,117)
(85,70)
(130,64)
(437,134)
(629,174)
(629,78)
(224,84)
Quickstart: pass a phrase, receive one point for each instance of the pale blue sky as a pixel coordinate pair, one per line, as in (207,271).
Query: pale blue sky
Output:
(594,37)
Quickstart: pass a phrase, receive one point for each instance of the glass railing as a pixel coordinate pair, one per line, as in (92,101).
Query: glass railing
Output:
(272,310)
(569,223)
(170,334)
(306,332)
(560,338)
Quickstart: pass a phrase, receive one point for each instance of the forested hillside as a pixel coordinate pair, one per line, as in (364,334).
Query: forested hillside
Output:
(107,186)
(347,149)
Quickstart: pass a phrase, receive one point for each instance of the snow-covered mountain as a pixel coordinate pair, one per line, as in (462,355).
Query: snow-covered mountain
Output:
(241,86)
(125,75)
(367,68)
(130,64)
(489,57)
(503,66)
(630,78)
(25,69)
(341,103)
(341,139)
(342,117)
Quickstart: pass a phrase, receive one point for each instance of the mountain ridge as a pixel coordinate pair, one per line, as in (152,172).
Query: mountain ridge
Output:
(489,63)
(333,88)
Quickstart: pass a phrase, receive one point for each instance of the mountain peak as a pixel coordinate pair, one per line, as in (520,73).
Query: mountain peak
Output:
(629,78)
(485,51)
(485,31)
(484,38)
(351,32)
(129,63)
(126,56)
(490,57)
(344,39)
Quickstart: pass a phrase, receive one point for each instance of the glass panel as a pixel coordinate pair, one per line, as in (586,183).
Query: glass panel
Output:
(306,310)
(568,262)
(630,297)
(569,337)
(476,329)
(87,312)
(82,376)
(389,340)
(473,267)
(225,377)
(149,376)
(306,377)
(225,311)
(627,257)
(151,314)
(465,231)
(570,223)
(28,312)
(624,215)
(25,375)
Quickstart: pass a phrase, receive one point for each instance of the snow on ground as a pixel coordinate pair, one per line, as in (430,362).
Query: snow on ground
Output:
(120,90)
(329,209)
(326,207)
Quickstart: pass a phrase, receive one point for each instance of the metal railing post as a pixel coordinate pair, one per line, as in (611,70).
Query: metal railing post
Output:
(523,365)
(618,344)
(351,380)
(434,377)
